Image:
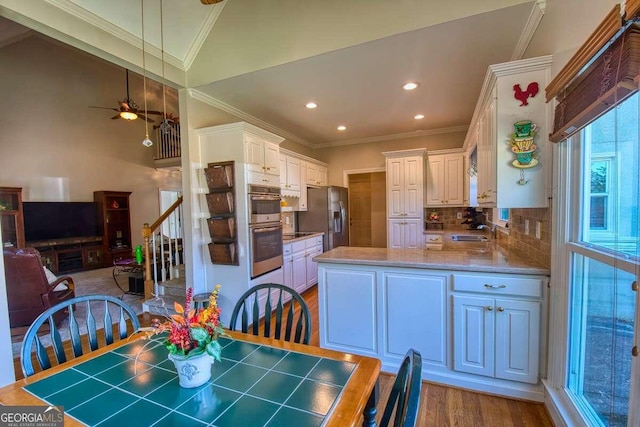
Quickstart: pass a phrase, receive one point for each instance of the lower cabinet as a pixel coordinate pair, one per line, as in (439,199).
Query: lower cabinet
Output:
(300,271)
(497,337)
(481,331)
(405,233)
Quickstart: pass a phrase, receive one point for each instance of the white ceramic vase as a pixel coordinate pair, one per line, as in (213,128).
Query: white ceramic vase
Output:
(193,371)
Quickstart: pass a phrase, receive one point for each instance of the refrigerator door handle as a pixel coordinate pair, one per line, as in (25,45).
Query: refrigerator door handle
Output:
(342,216)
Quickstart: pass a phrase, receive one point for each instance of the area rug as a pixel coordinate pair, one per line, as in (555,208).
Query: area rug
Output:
(92,282)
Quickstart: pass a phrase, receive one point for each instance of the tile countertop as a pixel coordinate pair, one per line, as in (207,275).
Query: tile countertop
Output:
(483,257)
(295,237)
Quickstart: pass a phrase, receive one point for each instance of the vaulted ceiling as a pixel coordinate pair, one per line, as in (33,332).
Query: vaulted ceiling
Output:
(263,60)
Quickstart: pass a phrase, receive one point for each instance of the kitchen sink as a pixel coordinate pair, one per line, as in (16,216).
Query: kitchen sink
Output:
(469,238)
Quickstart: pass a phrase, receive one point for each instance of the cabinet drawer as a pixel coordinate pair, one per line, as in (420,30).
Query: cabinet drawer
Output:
(499,284)
(314,241)
(432,238)
(298,246)
(286,250)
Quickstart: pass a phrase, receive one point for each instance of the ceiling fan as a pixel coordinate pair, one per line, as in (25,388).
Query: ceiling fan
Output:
(128,109)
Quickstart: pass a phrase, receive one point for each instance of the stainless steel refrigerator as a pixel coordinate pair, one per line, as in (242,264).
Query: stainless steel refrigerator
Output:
(328,212)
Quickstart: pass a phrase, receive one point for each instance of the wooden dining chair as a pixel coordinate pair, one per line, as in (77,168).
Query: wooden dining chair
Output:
(111,313)
(282,304)
(405,394)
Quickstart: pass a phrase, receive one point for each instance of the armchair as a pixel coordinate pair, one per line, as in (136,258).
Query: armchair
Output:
(28,291)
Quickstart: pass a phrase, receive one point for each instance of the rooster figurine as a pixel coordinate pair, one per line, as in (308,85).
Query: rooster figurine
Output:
(523,95)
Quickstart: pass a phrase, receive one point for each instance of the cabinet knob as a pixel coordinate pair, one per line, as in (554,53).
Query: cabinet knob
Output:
(634,351)
(263,168)
(489,308)
(634,286)
(500,308)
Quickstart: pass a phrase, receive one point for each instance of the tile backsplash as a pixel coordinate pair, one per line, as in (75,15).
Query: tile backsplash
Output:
(517,240)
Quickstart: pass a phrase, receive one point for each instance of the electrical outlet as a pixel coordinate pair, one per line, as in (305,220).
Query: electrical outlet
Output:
(459,215)
(538,229)
(526,227)
(286,220)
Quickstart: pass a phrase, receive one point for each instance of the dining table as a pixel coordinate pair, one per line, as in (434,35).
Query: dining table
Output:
(258,382)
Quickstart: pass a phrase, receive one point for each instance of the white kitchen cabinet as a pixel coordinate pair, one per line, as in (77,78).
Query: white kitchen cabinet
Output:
(502,181)
(261,155)
(313,174)
(287,266)
(445,179)
(290,176)
(405,197)
(302,202)
(405,233)
(496,329)
(415,316)
(304,272)
(322,176)
(348,301)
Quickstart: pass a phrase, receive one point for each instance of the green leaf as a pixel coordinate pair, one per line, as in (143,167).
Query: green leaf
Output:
(214,349)
(199,334)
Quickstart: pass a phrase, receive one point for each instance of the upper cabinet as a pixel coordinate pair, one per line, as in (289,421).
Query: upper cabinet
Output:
(297,172)
(261,155)
(290,175)
(513,163)
(405,198)
(445,178)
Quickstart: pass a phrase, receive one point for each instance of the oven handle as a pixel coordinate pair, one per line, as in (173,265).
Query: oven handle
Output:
(265,197)
(266,229)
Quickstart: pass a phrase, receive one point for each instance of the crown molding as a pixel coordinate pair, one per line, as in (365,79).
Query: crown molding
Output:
(115,31)
(201,37)
(209,100)
(392,137)
(537,12)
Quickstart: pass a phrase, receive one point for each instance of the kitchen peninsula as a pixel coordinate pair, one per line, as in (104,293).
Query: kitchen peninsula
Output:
(475,311)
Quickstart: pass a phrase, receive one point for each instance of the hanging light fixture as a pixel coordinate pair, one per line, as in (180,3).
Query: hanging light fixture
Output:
(165,127)
(146,141)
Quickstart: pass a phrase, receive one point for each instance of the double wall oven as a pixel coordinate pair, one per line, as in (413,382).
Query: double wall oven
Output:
(265,229)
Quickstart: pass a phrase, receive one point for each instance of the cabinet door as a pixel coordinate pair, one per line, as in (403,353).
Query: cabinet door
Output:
(312,174)
(486,156)
(435,181)
(414,308)
(347,303)
(395,233)
(283,172)
(412,233)
(517,340)
(271,158)
(473,335)
(302,203)
(287,270)
(322,175)
(254,153)
(292,173)
(413,187)
(454,179)
(299,271)
(395,181)
(312,267)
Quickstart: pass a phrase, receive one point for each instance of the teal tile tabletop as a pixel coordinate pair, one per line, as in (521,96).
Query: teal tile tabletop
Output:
(253,385)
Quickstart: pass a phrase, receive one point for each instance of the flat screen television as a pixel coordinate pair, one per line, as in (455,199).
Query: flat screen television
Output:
(57,220)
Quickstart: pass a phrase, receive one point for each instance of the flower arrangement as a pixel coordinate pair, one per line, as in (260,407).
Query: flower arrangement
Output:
(190,332)
(433,216)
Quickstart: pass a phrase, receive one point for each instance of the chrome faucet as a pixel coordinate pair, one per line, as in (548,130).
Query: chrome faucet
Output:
(493,229)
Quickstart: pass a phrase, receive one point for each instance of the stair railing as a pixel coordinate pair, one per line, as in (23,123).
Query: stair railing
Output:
(168,146)
(151,234)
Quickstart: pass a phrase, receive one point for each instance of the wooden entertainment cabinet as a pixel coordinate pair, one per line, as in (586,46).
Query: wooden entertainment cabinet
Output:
(71,254)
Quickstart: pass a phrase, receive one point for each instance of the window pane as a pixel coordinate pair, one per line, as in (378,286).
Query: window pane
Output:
(602,321)
(611,176)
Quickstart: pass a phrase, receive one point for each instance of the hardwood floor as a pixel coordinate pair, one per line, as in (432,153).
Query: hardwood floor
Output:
(440,406)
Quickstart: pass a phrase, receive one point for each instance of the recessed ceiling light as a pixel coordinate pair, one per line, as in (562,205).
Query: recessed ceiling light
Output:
(311,105)
(419,116)
(342,127)
(410,85)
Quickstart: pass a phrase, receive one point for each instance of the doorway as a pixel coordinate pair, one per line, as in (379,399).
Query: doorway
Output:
(367,218)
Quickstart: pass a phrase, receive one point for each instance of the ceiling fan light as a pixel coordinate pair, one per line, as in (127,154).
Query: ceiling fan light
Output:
(128,115)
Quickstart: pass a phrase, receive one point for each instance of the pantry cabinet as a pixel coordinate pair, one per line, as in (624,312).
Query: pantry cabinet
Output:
(405,197)
(502,181)
(445,179)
